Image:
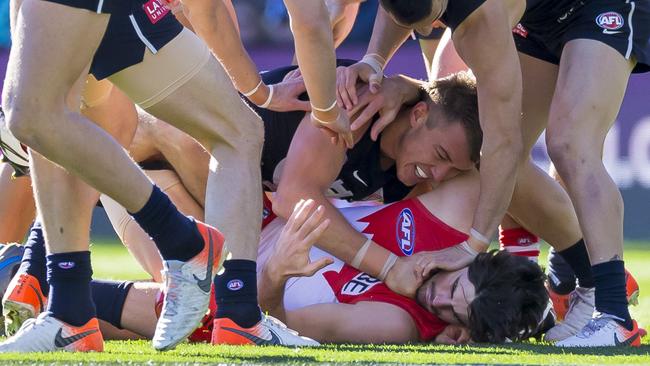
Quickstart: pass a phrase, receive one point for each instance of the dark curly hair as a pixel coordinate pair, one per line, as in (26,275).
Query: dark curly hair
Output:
(510,297)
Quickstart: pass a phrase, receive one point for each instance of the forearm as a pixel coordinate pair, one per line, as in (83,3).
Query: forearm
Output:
(315,51)
(213,22)
(341,239)
(387,36)
(500,156)
(270,291)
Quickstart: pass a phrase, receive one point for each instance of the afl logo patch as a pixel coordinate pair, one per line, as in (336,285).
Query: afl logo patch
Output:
(66,265)
(235,285)
(610,20)
(406,231)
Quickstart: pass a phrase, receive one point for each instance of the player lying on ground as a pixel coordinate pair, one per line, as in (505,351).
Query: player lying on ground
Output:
(341,304)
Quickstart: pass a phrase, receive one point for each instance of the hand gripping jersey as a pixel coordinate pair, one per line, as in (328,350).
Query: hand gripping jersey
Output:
(404,228)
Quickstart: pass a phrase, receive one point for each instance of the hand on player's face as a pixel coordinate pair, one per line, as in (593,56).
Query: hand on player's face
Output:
(448,295)
(303,229)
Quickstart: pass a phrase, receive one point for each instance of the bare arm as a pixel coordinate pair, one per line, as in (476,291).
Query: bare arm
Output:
(290,256)
(314,45)
(345,323)
(485,43)
(311,166)
(387,37)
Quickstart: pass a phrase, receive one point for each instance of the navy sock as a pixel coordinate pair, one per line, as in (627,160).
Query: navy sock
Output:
(175,234)
(33,262)
(611,297)
(560,275)
(236,293)
(578,258)
(69,276)
(109,298)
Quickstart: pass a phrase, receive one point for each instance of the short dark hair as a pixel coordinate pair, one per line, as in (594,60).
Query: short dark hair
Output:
(458,100)
(408,11)
(510,297)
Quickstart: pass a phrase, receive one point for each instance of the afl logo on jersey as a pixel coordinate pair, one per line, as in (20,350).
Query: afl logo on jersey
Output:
(610,20)
(406,232)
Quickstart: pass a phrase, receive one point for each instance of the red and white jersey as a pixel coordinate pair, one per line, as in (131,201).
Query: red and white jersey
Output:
(404,227)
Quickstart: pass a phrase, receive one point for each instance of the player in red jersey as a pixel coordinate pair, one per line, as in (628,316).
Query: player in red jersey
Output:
(341,304)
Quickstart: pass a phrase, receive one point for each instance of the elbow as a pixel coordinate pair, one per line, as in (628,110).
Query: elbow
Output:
(311,26)
(507,141)
(285,200)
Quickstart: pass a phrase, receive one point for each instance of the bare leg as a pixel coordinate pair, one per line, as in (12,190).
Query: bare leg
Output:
(17,210)
(539,203)
(232,133)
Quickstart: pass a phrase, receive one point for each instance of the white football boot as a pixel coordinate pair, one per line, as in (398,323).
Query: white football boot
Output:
(581,310)
(604,331)
(46,334)
(187,290)
(267,332)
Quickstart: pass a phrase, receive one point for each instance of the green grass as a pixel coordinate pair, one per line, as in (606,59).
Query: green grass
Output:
(112,261)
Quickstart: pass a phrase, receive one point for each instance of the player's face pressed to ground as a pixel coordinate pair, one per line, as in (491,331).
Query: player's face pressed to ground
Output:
(433,154)
(448,295)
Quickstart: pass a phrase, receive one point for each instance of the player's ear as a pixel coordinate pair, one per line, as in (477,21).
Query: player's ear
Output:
(419,114)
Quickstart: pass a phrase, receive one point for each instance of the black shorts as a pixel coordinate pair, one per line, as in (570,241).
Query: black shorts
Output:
(621,24)
(123,7)
(127,37)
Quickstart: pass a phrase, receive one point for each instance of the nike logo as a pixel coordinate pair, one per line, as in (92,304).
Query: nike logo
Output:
(356,175)
(607,31)
(205,283)
(274,341)
(60,341)
(626,343)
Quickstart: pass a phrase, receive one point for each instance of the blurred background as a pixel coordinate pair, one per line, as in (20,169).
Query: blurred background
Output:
(265,30)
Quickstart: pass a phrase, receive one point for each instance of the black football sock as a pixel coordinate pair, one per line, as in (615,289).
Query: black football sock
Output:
(578,258)
(236,293)
(33,262)
(611,297)
(560,275)
(175,234)
(109,298)
(69,276)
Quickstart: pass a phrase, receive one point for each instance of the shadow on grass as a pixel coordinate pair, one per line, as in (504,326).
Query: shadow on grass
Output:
(495,349)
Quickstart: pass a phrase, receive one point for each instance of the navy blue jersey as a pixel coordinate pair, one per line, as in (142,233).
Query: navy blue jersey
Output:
(361,176)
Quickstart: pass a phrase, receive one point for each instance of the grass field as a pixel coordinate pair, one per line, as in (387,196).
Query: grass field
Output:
(112,261)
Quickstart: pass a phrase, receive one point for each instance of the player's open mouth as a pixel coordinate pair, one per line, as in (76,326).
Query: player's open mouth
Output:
(420,173)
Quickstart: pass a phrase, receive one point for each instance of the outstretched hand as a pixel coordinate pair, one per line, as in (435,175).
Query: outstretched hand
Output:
(301,232)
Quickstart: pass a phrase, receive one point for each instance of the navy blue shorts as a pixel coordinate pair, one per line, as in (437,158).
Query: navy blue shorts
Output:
(621,24)
(150,26)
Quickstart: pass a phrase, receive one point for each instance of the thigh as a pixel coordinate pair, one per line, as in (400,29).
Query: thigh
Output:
(53,44)
(590,88)
(208,108)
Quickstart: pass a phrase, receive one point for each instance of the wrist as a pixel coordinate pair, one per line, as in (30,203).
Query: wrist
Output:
(261,95)
(273,274)
(323,115)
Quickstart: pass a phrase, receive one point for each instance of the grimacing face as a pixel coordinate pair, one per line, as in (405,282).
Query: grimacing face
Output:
(432,154)
(447,295)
